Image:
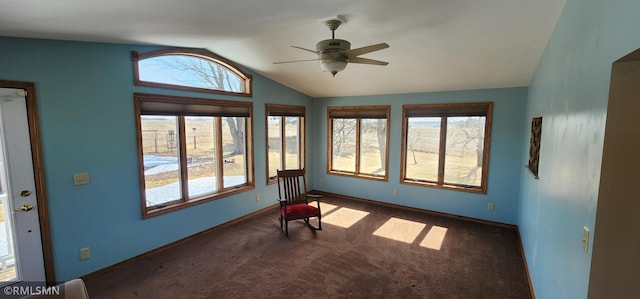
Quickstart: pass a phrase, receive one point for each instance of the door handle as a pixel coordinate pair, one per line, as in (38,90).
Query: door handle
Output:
(25,208)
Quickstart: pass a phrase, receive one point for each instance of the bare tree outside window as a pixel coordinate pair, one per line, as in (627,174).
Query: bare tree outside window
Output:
(464,152)
(343,130)
(236,127)
(344,144)
(468,135)
(192,71)
(412,140)
(373,145)
(381,133)
(423,141)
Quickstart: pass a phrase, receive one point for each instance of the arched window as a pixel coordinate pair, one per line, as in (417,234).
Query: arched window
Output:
(189,69)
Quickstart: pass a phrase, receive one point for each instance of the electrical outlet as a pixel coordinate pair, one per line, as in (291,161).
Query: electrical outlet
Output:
(491,206)
(395,192)
(257,197)
(585,239)
(85,253)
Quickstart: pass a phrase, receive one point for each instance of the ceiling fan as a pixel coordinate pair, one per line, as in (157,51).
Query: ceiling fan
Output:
(334,54)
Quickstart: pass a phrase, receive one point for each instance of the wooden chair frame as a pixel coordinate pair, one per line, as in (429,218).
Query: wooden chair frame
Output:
(294,200)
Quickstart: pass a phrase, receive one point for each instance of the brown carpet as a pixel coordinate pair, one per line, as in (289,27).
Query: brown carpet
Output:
(384,253)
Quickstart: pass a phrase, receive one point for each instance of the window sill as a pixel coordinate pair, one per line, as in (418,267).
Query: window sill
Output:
(462,188)
(360,176)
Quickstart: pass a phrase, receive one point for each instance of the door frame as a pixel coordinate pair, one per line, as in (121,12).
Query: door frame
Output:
(38,173)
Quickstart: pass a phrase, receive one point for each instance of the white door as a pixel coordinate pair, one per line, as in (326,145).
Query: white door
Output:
(21,257)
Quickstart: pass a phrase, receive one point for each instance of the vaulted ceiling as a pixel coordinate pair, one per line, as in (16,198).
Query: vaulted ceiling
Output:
(435,45)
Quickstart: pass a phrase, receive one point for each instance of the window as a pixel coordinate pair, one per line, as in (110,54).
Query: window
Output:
(192,150)
(190,69)
(447,145)
(358,141)
(285,139)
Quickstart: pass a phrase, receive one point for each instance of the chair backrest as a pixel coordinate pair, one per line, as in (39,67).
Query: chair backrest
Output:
(292,186)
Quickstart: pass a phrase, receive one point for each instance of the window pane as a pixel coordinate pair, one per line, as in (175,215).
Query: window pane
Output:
(292,145)
(190,71)
(233,151)
(373,138)
(274,147)
(464,150)
(423,147)
(160,159)
(201,172)
(344,144)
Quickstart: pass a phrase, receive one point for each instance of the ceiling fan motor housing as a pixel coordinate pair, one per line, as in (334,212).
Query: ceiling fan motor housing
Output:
(332,45)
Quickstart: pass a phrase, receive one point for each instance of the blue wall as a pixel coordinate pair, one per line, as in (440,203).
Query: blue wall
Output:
(570,90)
(505,157)
(85,106)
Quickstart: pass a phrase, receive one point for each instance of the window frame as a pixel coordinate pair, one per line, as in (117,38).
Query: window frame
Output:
(181,107)
(358,113)
(444,111)
(247,79)
(284,111)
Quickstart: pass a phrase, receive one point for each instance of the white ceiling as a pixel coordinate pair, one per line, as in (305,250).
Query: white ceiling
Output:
(435,45)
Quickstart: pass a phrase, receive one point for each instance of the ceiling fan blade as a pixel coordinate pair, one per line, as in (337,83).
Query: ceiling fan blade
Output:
(305,49)
(367,61)
(364,50)
(281,62)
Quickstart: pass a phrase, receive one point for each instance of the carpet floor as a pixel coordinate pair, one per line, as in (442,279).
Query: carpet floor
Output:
(365,250)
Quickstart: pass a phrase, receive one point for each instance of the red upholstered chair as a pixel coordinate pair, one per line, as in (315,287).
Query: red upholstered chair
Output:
(294,200)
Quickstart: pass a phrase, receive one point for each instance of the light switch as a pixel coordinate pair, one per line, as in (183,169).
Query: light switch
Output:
(81,178)
(85,253)
(585,239)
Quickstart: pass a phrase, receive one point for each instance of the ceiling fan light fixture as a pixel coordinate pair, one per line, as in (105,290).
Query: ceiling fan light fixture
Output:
(333,66)
(334,54)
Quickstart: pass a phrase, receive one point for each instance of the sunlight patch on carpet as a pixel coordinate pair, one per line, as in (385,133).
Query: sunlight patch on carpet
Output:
(400,230)
(344,217)
(434,238)
(324,207)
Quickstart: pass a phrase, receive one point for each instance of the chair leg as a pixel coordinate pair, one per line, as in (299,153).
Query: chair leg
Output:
(286,226)
(286,233)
